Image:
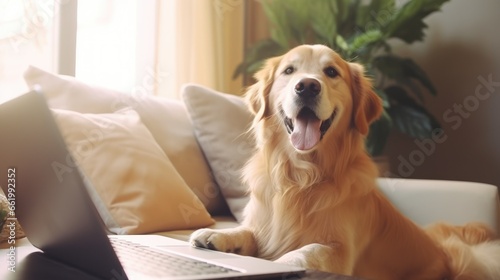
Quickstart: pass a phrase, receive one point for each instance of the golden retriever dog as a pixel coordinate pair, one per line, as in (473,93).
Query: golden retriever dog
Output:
(313,195)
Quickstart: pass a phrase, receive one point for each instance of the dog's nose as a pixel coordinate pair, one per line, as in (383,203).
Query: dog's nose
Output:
(307,88)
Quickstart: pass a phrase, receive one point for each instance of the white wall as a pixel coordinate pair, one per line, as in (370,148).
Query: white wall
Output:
(461,49)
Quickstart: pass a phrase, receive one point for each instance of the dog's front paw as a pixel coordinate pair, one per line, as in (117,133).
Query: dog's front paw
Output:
(238,241)
(211,239)
(312,256)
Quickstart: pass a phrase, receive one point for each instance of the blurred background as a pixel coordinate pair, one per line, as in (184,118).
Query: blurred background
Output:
(117,44)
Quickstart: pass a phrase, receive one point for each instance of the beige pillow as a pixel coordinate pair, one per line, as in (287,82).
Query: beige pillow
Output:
(221,122)
(166,119)
(137,189)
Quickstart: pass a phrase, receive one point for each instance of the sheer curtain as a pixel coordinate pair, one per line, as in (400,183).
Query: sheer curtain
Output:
(198,42)
(27,37)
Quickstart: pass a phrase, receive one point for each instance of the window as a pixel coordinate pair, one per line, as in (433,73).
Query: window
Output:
(26,37)
(107,42)
(110,52)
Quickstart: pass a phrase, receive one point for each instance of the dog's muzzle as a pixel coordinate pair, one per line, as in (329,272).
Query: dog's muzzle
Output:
(306,129)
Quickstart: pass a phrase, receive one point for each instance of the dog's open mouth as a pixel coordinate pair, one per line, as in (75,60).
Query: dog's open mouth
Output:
(306,130)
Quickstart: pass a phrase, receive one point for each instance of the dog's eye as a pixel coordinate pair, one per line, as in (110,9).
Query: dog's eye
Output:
(331,72)
(289,70)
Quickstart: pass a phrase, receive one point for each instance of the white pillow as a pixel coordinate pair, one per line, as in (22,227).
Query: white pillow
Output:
(136,189)
(221,122)
(166,119)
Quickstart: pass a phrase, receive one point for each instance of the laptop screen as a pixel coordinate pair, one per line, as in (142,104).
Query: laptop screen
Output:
(53,207)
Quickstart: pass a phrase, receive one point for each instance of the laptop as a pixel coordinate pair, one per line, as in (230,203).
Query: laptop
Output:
(60,219)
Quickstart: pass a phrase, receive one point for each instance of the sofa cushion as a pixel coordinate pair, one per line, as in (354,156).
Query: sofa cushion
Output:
(136,189)
(166,119)
(221,122)
(429,201)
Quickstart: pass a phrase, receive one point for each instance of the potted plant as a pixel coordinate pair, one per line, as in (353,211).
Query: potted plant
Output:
(359,31)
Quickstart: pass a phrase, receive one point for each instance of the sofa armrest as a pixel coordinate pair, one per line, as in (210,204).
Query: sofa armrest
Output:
(429,201)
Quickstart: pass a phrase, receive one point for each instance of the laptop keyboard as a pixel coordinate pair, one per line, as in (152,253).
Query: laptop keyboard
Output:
(159,263)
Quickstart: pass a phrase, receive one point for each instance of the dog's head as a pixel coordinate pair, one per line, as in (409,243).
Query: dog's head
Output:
(312,94)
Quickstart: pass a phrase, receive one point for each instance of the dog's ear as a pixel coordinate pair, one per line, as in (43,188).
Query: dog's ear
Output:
(367,105)
(257,94)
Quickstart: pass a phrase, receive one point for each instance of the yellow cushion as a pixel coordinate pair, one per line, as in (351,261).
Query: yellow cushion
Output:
(137,189)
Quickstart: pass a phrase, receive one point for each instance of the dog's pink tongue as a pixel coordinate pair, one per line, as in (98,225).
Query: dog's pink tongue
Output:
(306,133)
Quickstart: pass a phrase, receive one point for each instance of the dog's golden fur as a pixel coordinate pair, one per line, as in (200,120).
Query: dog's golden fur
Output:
(319,206)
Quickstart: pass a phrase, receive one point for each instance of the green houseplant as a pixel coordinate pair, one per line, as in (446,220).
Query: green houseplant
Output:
(360,31)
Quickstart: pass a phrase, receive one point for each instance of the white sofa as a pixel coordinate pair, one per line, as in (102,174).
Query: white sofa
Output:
(429,201)
(203,143)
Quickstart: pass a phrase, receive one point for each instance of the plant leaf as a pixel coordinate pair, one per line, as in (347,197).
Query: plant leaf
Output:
(343,7)
(256,54)
(363,44)
(341,44)
(376,13)
(256,66)
(384,97)
(409,116)
(323,22)
(346,19)
(402,70)
(298,13)
(378,134)
(407,24)
(277,15)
